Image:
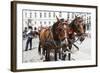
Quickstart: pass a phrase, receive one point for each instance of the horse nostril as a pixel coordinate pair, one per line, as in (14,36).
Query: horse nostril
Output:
(82,39)
(80,34)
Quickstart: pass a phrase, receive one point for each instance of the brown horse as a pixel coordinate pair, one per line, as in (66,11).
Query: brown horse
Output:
(75,29)
(51,38)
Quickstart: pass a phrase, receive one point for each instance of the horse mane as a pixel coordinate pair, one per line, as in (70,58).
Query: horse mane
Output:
(54,26)
(72,25)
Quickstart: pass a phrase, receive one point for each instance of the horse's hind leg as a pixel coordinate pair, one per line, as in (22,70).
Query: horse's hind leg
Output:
(43,51)
(60,53)
(47,55)
(69,54)
(63,54)
(39,48)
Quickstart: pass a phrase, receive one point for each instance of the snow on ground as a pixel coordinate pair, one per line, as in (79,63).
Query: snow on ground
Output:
(84,52)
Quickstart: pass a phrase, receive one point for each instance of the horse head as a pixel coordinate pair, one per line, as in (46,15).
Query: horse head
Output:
(60,28)
(79,27)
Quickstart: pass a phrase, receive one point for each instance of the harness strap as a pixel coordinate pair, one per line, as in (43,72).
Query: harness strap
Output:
(52,37)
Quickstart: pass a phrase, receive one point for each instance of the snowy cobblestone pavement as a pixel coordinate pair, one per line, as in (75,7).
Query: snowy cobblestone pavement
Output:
(84,52)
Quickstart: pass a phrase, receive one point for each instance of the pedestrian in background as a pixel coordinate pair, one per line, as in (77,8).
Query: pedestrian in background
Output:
(30,37)
(25,33)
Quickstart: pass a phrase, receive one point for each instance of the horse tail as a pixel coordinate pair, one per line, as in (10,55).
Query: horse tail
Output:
(40,41)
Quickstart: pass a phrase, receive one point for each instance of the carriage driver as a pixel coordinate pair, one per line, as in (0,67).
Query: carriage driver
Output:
(30,37)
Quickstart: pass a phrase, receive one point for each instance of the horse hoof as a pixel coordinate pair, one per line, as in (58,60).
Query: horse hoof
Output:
(45,60)
(26,50)
(64,57)
(56,60)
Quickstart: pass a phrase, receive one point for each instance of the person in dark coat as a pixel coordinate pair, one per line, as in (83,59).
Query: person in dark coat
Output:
(25,33)
(29,39)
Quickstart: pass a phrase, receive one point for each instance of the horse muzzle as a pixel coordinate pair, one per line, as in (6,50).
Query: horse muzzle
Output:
(82,38)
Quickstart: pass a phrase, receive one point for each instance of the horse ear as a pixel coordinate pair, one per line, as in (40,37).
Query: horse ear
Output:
(57,18)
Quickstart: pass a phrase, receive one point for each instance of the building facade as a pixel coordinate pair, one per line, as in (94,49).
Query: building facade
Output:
(45,18)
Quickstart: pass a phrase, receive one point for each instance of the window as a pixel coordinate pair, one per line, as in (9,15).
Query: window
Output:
(30,14)
(68,15)
(89,19)
(44,22)
(72,15)
(49,22)
(40,15)
(25,14)
(35,22)
(54,14)
(49,14)
(60,14)
(35,14)
(40,22)
(45,14)
(29,21)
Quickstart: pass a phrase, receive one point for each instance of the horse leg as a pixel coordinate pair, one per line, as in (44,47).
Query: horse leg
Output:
(69,54)
(39,48)
(47,55)
(55,54)
(64,54)
(44,50)
(60,55)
